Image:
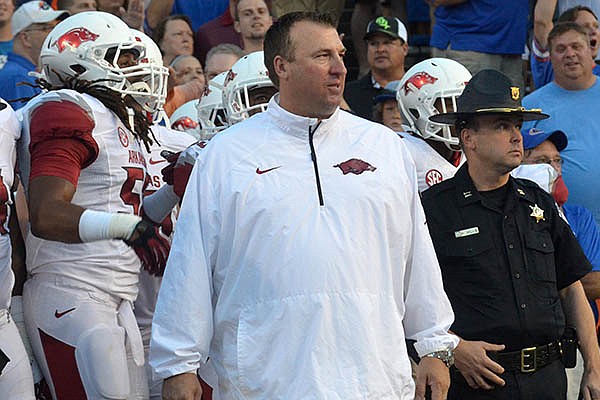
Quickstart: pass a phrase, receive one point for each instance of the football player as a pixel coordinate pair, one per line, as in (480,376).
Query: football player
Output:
(430,87)
(173,141)
(211,112)
(83,168)
(247,88)
(16,379)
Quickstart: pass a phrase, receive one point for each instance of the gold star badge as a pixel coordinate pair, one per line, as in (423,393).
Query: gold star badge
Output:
(521,192)
(537,213)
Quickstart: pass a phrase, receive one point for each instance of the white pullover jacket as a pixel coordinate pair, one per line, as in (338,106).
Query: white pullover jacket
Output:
(300,263)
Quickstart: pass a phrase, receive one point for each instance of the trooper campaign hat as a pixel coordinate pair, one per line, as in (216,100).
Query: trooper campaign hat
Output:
(488,92)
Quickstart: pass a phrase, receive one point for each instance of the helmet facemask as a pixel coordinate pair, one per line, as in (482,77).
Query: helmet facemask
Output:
(211,113)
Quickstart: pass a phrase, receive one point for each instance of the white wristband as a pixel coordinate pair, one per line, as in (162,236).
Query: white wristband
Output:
(100,225)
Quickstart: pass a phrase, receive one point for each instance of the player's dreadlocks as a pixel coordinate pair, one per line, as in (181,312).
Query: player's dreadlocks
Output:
(114,101)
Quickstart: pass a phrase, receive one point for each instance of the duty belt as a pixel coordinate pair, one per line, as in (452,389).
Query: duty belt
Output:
(530,359)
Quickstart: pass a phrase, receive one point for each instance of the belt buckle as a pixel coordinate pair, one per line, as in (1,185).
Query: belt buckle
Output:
(528,360)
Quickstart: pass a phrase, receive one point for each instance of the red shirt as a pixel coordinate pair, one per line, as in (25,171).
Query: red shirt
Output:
(219,30)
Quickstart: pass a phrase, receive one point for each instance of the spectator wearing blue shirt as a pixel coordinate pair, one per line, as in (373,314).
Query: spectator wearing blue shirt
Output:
(572,100)
(482,34)
(31,23)
(199,11)
(541,67)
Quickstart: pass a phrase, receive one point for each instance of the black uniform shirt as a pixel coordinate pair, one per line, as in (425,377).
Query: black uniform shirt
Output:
(359,95)
(503,267)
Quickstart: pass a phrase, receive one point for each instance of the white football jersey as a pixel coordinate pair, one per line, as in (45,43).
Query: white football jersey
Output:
(112,183)
(432,168)
(9,134)
(174,141)
(170,140)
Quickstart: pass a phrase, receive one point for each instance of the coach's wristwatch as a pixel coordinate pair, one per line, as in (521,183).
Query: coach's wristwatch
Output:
(447,356)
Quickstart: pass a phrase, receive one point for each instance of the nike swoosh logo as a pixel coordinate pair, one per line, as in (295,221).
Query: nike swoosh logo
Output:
(61,314)
(151,161)
(262,171)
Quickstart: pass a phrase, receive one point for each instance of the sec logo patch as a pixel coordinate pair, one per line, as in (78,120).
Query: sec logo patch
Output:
(433,176)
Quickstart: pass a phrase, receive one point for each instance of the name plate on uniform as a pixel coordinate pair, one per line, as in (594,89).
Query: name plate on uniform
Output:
(466,232)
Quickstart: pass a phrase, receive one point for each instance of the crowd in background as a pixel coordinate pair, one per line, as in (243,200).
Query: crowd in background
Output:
(545,48)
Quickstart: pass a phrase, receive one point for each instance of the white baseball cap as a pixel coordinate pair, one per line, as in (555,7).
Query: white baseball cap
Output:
(34,12)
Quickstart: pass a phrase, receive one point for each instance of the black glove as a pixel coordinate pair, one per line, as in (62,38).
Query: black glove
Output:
(150,246)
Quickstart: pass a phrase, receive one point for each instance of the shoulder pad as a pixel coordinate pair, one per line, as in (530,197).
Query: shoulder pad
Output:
(64,95)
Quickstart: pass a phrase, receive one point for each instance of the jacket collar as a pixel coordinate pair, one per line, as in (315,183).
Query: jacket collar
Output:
(467,193)
(298,125)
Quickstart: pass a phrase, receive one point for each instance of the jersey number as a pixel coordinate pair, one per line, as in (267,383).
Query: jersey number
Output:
(131,191)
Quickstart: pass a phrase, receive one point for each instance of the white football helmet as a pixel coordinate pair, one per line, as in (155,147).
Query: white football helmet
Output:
(151,90)
(87,46)
(247,74)
(211,113)
(184,119)
(421,87)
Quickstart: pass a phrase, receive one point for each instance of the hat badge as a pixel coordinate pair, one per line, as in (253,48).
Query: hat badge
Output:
(382,22)
(514,93)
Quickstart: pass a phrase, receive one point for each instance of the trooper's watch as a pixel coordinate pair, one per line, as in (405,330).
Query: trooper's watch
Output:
(447,356)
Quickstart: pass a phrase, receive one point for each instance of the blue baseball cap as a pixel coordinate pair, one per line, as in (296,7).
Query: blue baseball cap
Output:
(388,92)
(383,96)
(534,137)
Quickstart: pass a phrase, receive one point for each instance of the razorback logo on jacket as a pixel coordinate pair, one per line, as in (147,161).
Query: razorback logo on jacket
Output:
(355,166)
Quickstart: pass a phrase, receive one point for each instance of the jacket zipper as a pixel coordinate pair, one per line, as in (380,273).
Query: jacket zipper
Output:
(313,156)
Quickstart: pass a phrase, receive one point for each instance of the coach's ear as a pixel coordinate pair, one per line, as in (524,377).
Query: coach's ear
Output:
(281,67)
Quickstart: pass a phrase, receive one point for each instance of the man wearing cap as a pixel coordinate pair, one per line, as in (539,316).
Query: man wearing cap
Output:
(510,264)
(387,48)
(31,23)
(572,100)
(542,164)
